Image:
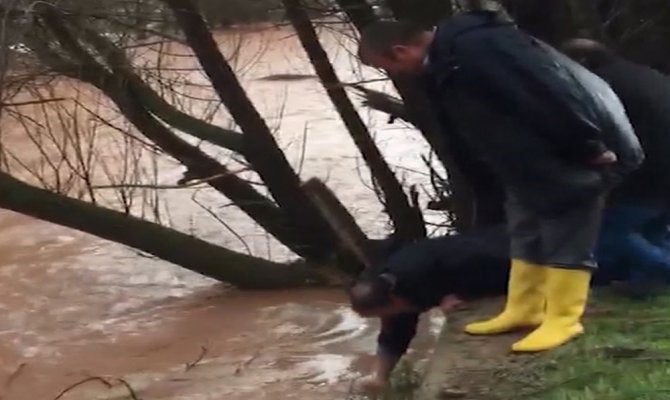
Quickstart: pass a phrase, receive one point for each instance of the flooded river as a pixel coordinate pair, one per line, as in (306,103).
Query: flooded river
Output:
(73,306)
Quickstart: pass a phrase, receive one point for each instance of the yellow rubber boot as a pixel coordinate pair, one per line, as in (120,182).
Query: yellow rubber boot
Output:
(525,301)
(567,293)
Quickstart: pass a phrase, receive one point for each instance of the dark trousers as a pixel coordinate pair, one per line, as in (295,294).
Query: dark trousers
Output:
(658,232)
(634,243)
(566,239)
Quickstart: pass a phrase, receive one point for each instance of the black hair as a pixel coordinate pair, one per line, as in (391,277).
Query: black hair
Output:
(380,37)
(371,292)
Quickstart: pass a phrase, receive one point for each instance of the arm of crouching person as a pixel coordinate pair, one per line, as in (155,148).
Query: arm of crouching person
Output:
(393,341)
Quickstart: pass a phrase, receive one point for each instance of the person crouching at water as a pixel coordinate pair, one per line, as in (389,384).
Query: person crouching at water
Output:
(441,272)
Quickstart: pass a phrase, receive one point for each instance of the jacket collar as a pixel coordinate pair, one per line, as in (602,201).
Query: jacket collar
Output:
(445,34)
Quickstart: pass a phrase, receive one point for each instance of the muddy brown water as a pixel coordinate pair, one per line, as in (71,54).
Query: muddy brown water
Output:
(73,306)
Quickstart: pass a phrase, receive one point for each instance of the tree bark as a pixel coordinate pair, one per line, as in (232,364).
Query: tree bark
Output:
(216,262)
(260,147)
(348,231)
(408,221)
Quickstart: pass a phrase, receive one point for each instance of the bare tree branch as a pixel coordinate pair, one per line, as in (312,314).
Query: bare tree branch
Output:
(408,221)
(260,146)
(191,184)
(257,206)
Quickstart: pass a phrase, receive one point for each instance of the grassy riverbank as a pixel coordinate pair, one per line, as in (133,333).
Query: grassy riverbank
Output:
(624,356)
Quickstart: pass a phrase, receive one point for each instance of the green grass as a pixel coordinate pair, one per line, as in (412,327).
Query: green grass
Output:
(624,355)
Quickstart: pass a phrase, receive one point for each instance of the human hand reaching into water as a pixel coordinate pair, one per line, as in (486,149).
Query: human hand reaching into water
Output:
(371,385)
(451,303)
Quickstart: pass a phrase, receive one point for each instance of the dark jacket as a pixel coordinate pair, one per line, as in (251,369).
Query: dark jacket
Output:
(470,266)
(645,93)
(533,115)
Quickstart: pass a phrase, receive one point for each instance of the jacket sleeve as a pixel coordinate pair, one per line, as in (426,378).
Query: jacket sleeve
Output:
(479,176)
(396,334)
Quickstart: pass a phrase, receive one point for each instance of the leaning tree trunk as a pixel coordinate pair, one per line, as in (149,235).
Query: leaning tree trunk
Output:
(260,147)
(167,244)
(348,231)
(129,93)
(407,219)
(118,86)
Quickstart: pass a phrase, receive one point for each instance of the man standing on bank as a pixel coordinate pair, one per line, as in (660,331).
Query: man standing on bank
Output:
(555,135)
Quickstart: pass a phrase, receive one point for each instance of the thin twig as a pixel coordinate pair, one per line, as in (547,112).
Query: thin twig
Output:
(130,389)
(106,382)
(193,364)
(165,187)
(11,378)
(239,237)
(77,384)
(32,102)
(246,363)
(303,150)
